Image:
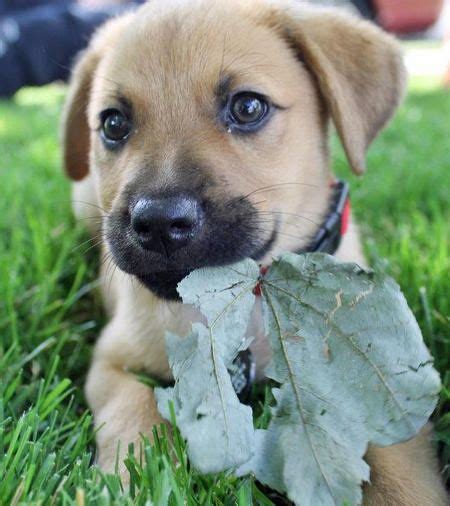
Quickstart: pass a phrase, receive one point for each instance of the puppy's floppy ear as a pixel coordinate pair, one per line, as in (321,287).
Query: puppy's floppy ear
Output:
(358,68)
(75,129)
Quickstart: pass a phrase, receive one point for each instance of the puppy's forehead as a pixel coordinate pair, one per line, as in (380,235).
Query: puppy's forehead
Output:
(194,50)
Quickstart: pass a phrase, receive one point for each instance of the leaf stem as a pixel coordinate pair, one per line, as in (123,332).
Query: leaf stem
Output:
(293,382)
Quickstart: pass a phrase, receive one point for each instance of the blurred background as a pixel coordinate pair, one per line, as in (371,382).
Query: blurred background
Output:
(426,21)
(50,310)
(40,38)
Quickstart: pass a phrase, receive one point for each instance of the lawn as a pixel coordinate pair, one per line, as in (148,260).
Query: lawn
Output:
(50,312)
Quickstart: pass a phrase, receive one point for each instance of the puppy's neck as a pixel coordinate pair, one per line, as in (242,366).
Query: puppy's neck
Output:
(298,229)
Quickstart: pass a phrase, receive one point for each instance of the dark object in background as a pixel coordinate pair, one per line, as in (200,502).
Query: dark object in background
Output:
(365,7)
(242,372)
(38,44)
(8,7)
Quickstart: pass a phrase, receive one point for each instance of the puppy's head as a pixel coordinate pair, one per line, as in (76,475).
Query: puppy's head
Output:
(204,126)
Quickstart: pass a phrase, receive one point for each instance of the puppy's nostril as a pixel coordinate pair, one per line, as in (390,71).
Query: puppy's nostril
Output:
(181,226)
(141,225)
(141,228)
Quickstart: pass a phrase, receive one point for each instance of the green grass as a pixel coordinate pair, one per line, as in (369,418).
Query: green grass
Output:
(50,312)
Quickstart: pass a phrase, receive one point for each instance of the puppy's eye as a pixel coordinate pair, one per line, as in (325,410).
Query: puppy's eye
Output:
(115,126)
(248,109)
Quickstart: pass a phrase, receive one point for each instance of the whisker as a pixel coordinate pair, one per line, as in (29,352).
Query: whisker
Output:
(291,214)
(274,187)
(90,204)
(110,268)
(106,257)
(112,275)
(91,239)
(98,218)
(257,228)
(96,245)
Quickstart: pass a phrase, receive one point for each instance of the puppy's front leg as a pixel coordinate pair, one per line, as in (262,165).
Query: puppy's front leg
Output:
(123,409)
(405,474)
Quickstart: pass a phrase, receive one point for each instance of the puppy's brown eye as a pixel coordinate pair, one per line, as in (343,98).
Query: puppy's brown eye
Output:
(248,109)
(115,126)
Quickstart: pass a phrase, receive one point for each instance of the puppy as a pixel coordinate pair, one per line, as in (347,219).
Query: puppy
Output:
(198,133)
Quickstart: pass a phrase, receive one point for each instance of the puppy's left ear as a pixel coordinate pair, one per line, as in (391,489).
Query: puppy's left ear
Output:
(358,68)
(75,129)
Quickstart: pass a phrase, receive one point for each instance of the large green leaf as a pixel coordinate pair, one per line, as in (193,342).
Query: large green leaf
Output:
(218,428)
(353,369)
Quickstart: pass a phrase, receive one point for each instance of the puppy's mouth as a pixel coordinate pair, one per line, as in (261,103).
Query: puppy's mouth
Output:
(164,283)
(161,240)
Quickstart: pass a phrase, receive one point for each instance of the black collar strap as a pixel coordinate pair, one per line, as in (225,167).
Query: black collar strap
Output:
(330,234)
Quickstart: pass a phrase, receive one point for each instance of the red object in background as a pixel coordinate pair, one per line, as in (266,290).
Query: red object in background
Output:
(404,16)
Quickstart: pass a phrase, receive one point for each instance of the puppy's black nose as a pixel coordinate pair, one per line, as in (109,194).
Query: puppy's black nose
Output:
(166,224)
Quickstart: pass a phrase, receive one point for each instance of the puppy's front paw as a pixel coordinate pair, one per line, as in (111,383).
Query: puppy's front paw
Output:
(124,411)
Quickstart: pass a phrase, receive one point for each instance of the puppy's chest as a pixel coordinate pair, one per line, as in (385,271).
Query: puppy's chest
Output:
(148,352)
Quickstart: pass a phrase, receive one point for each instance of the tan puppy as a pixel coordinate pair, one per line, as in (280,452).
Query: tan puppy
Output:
(200,128)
